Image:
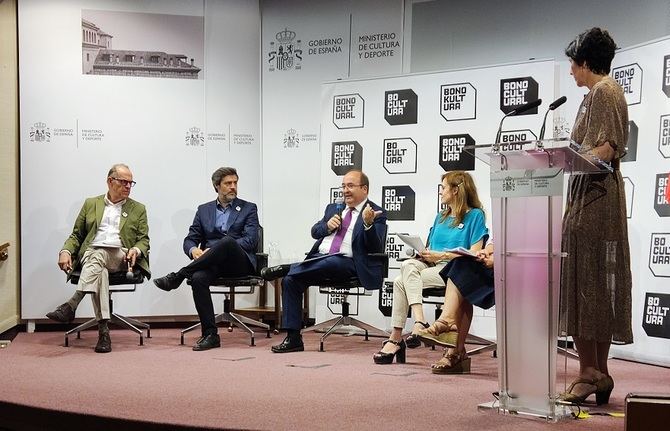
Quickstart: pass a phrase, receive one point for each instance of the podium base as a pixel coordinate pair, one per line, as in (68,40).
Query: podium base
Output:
(561,412)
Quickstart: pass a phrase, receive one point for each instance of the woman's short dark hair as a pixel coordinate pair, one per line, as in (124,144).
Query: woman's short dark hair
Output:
(595,47)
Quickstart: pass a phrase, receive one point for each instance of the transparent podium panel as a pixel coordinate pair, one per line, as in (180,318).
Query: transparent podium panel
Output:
(527,198)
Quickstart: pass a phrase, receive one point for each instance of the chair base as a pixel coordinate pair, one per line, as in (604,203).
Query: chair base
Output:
(332,325)
(233,319)
(115,319)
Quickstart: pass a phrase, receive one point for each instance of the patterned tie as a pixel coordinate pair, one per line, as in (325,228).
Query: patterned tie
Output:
(337,241)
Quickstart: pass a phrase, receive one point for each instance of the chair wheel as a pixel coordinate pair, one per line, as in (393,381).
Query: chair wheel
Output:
(230,329)
(276,332)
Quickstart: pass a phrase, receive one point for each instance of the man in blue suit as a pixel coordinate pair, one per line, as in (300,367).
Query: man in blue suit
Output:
(222,242)
(345,236)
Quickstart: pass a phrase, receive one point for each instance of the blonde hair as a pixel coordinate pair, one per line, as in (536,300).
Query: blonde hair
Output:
(465,199)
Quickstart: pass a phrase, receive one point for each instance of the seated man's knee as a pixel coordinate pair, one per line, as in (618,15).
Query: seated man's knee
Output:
(200,279)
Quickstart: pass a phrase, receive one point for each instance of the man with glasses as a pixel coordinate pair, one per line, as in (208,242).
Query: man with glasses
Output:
(222,242)
(344,238)
(110,234)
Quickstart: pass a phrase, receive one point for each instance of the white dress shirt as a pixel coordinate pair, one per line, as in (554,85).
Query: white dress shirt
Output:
(108,234)
(345,248)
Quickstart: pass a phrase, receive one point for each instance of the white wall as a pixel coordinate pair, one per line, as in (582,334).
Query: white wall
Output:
(449,34)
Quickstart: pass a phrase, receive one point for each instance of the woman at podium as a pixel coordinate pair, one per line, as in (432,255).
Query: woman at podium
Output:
(595,275)
(460,224)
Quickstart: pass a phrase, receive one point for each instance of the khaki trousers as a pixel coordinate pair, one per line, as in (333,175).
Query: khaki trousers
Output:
(415,275)
(95,267)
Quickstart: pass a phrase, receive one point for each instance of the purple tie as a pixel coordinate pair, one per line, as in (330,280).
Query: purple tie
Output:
(339,236)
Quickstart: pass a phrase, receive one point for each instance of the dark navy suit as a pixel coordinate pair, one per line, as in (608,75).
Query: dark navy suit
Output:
(232,252)
(304,274)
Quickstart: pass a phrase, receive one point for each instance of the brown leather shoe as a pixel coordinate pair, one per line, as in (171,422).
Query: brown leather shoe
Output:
(104,343)
(63,314)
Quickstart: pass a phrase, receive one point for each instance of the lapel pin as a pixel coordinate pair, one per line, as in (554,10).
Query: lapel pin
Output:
(237,208)
(460,226)
(125,214)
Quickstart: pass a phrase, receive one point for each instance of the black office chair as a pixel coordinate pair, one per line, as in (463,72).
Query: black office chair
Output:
(229,287)
(351,287)
(118,282)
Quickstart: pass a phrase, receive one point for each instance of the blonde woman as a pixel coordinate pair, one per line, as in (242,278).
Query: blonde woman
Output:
(460,224)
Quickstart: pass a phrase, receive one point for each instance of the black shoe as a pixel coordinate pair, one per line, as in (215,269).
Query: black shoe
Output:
(207,342)
(413,340)
(169,282)
(290,344)
(104,343)
(275,272)
(387,358)
(63,313)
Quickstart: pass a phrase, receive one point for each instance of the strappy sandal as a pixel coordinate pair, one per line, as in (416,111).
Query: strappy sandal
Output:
(387,358)
(601,387)
(452,363)
(412,340)
(440,333)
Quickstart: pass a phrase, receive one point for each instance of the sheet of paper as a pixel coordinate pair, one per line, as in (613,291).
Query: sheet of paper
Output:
(413,241)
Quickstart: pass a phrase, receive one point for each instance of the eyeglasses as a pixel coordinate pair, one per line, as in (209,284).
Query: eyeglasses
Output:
(350,186)
(124,183)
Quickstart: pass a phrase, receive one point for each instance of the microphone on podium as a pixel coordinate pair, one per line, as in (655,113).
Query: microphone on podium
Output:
(523,108)
(555,104)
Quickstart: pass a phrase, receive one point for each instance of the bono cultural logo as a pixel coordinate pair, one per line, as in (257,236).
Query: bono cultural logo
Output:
(659,254)
(400,107)
(458,101)
(346,156)
(395,249)
(452,157)
(661,204)
(511,140)
(400,156)
(286,52)
(398,201)
(515,92)
(385,303)
(656,316)
(629,188)
(631,146)
(666,75)
(629,78)
(335,194)
(348,111)
(664,136)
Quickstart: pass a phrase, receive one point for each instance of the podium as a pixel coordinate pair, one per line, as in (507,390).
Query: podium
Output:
(527,204)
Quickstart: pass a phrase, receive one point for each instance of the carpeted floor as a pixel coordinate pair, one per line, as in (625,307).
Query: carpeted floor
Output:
(238,386)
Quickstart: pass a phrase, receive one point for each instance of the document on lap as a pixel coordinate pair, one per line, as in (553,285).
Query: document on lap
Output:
(413,241)
(461,251)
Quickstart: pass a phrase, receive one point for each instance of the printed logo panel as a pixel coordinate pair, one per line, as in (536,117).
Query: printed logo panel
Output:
(452,157)
(348,111)
(659,254)
(629,78)
(398,201)
(400,156)
(400,107)
(515,92)
(656,316)
(345,156)
(458,101)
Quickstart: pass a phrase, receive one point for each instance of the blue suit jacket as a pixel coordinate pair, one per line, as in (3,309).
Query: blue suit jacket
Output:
(368,268)
(242,227)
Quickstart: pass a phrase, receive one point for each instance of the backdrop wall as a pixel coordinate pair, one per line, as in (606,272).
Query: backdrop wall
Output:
(172,131)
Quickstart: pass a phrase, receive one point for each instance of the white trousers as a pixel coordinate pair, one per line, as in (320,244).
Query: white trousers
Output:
(415,276)
(96,264)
